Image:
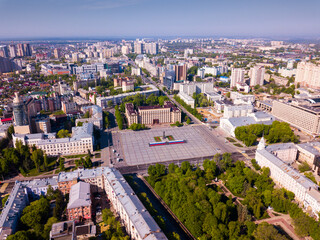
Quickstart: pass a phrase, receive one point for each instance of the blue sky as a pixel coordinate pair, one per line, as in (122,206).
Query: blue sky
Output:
(119,18)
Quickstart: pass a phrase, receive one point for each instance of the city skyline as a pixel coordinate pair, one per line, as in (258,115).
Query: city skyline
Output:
(131,18)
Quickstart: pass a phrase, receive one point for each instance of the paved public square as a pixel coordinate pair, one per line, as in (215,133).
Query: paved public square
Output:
(136,148)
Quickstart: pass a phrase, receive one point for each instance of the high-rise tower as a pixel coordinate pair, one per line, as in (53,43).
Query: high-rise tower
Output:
(20,118)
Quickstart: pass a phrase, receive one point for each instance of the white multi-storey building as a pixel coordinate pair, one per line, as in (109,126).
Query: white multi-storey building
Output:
(257,76)
(12,210)
(237,110)
(136,71)
(239,98)
(308,75)
(287,177)
(80,142)
(138,222)
(151,48)
(186,90)
(96,116)
(230,124)
(237,76)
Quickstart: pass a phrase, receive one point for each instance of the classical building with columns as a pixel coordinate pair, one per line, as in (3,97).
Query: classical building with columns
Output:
(150,115)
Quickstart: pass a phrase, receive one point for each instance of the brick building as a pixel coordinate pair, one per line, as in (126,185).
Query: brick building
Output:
(79,205)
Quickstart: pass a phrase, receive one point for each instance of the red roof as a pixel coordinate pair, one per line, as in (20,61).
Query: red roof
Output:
(6,119)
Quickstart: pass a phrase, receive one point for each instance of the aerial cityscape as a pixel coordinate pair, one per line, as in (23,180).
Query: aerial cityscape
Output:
(147,120)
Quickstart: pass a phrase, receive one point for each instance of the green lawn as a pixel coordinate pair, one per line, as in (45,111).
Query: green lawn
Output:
(230,139)
(75,156)
(238,145)
(33,172)
(170,137)
(157,139)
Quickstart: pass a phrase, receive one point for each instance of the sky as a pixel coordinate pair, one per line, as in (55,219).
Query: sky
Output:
(159,18)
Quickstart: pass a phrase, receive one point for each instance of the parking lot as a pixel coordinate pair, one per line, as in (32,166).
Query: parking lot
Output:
(136,148)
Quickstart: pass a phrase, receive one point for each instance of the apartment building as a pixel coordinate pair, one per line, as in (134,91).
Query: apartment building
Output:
(187,99)
(308,75)
(237,110)
(68,106)
(310,153)
(138,222)
(96,116)
(181,72)
(257,76)
(91,176)
(304,114)
(239,98)
(79,184)
(151,48)
(186,91)
(12,210)
(131,114)
(43,125)
(38,187)
(126,84)
(287,177)
(237,76)
(79,206)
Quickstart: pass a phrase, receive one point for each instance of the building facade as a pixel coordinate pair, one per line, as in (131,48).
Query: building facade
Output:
(12,210)
(79,206)
(285,176)
(81,141)
(299,116)
(237,76)
(150,115)
(308,75)
(257,76)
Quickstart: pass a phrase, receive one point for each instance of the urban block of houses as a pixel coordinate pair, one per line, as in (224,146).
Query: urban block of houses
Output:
(186,91)
(138,222)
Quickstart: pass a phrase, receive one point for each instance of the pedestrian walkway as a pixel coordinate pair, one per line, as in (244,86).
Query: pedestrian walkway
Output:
(284,221)
(3,187)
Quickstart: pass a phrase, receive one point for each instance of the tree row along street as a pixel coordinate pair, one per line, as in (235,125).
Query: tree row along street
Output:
(187,232)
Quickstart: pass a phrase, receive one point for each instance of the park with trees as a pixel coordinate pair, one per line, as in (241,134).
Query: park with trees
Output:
(114,230)
(24,159)
(201,100)
(208,214)
(275,133)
